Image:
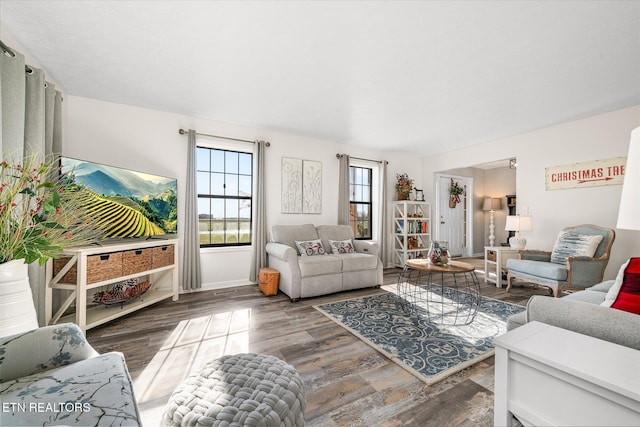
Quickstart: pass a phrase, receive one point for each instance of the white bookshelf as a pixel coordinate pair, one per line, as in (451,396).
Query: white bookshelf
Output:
(411,230)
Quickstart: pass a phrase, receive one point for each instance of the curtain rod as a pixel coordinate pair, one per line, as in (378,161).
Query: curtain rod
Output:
(184,132)
(360,158)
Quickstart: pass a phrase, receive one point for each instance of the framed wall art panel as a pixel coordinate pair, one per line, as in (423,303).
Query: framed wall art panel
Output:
(291,185)
(311,187)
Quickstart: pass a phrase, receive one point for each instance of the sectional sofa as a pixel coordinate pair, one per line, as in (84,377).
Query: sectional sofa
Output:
(581,312)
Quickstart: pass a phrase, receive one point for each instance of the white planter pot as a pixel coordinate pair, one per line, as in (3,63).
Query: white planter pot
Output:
(17,312)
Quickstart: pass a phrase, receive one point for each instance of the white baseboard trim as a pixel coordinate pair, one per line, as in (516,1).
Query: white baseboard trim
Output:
(220,285)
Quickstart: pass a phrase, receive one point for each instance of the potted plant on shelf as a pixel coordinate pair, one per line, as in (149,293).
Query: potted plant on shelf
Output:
(40,215)
(455,191)
(404,185)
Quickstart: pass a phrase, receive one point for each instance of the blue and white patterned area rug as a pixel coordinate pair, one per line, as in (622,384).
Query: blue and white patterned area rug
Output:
(430,351)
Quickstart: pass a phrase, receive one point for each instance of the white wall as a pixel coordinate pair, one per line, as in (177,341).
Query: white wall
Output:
(148,141)
(599,137)
(499,182)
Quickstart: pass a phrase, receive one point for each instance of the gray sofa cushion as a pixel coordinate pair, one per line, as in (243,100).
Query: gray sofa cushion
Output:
(333,232)
(605,323)
(548,270)
(357,262)
(593,295)
(594,298)
(601,287)
(288,234)
(319,265)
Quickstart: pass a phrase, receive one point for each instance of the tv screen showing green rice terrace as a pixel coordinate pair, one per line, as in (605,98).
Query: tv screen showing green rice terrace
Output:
(126,203)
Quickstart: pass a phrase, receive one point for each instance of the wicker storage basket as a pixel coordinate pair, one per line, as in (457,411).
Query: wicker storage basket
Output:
(136,261)
(104,267)
(162,256)
(70,276)
(491,255)
(268,281)
(99,267)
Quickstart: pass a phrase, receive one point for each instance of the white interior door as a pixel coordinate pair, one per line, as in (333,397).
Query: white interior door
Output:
(452,224)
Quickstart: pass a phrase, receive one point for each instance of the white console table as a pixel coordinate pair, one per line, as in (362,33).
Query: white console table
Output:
(548,376)
(91,268)
(495,262)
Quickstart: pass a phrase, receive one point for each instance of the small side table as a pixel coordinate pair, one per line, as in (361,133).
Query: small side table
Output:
(495,262)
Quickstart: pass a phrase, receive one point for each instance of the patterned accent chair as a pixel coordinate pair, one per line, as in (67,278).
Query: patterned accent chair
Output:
(52,376)
(578,260)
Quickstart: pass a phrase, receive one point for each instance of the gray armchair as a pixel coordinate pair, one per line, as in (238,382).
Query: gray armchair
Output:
(566,267)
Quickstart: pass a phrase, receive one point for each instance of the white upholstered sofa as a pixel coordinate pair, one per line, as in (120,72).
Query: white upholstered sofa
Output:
(303,276)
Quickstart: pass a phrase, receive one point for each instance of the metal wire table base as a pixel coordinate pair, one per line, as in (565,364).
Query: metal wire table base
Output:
(449,295)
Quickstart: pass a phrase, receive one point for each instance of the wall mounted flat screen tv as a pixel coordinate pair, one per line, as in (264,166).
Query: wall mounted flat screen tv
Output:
(127,203)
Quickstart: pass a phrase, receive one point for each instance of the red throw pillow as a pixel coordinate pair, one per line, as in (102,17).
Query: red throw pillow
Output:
(628,298)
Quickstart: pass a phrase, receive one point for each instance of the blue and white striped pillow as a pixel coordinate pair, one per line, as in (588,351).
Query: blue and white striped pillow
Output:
(573,244)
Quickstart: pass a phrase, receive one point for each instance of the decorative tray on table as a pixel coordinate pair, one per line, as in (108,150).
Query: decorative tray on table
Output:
(122,292)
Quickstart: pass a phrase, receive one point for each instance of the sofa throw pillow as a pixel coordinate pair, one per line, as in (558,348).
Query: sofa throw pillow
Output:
(573,244)
(625,293)
(342,246)
(310,247)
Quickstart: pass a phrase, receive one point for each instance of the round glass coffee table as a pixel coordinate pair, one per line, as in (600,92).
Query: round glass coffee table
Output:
(447,294)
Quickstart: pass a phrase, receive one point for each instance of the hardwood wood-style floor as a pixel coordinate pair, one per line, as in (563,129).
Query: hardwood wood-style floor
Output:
(347,382)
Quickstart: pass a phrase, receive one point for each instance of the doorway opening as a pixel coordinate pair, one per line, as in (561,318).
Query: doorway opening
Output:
(496,179)
(455,217)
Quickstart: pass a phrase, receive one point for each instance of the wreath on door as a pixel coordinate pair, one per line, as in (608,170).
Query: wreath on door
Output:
(455,191)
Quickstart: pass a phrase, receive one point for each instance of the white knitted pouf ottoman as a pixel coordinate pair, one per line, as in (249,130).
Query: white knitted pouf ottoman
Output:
(239,390)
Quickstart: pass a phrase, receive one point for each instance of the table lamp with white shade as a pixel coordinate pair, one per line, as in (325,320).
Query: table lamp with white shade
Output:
(518,223)
(629,213)
(492,204)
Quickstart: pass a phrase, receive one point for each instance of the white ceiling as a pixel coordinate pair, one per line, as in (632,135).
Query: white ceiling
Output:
(423,77)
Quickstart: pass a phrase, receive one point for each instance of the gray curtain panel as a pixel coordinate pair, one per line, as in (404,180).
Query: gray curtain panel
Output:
(384,233)
(191,274)
(35,122)
(259,254)
(30,125)
(12,90)
(343,191)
